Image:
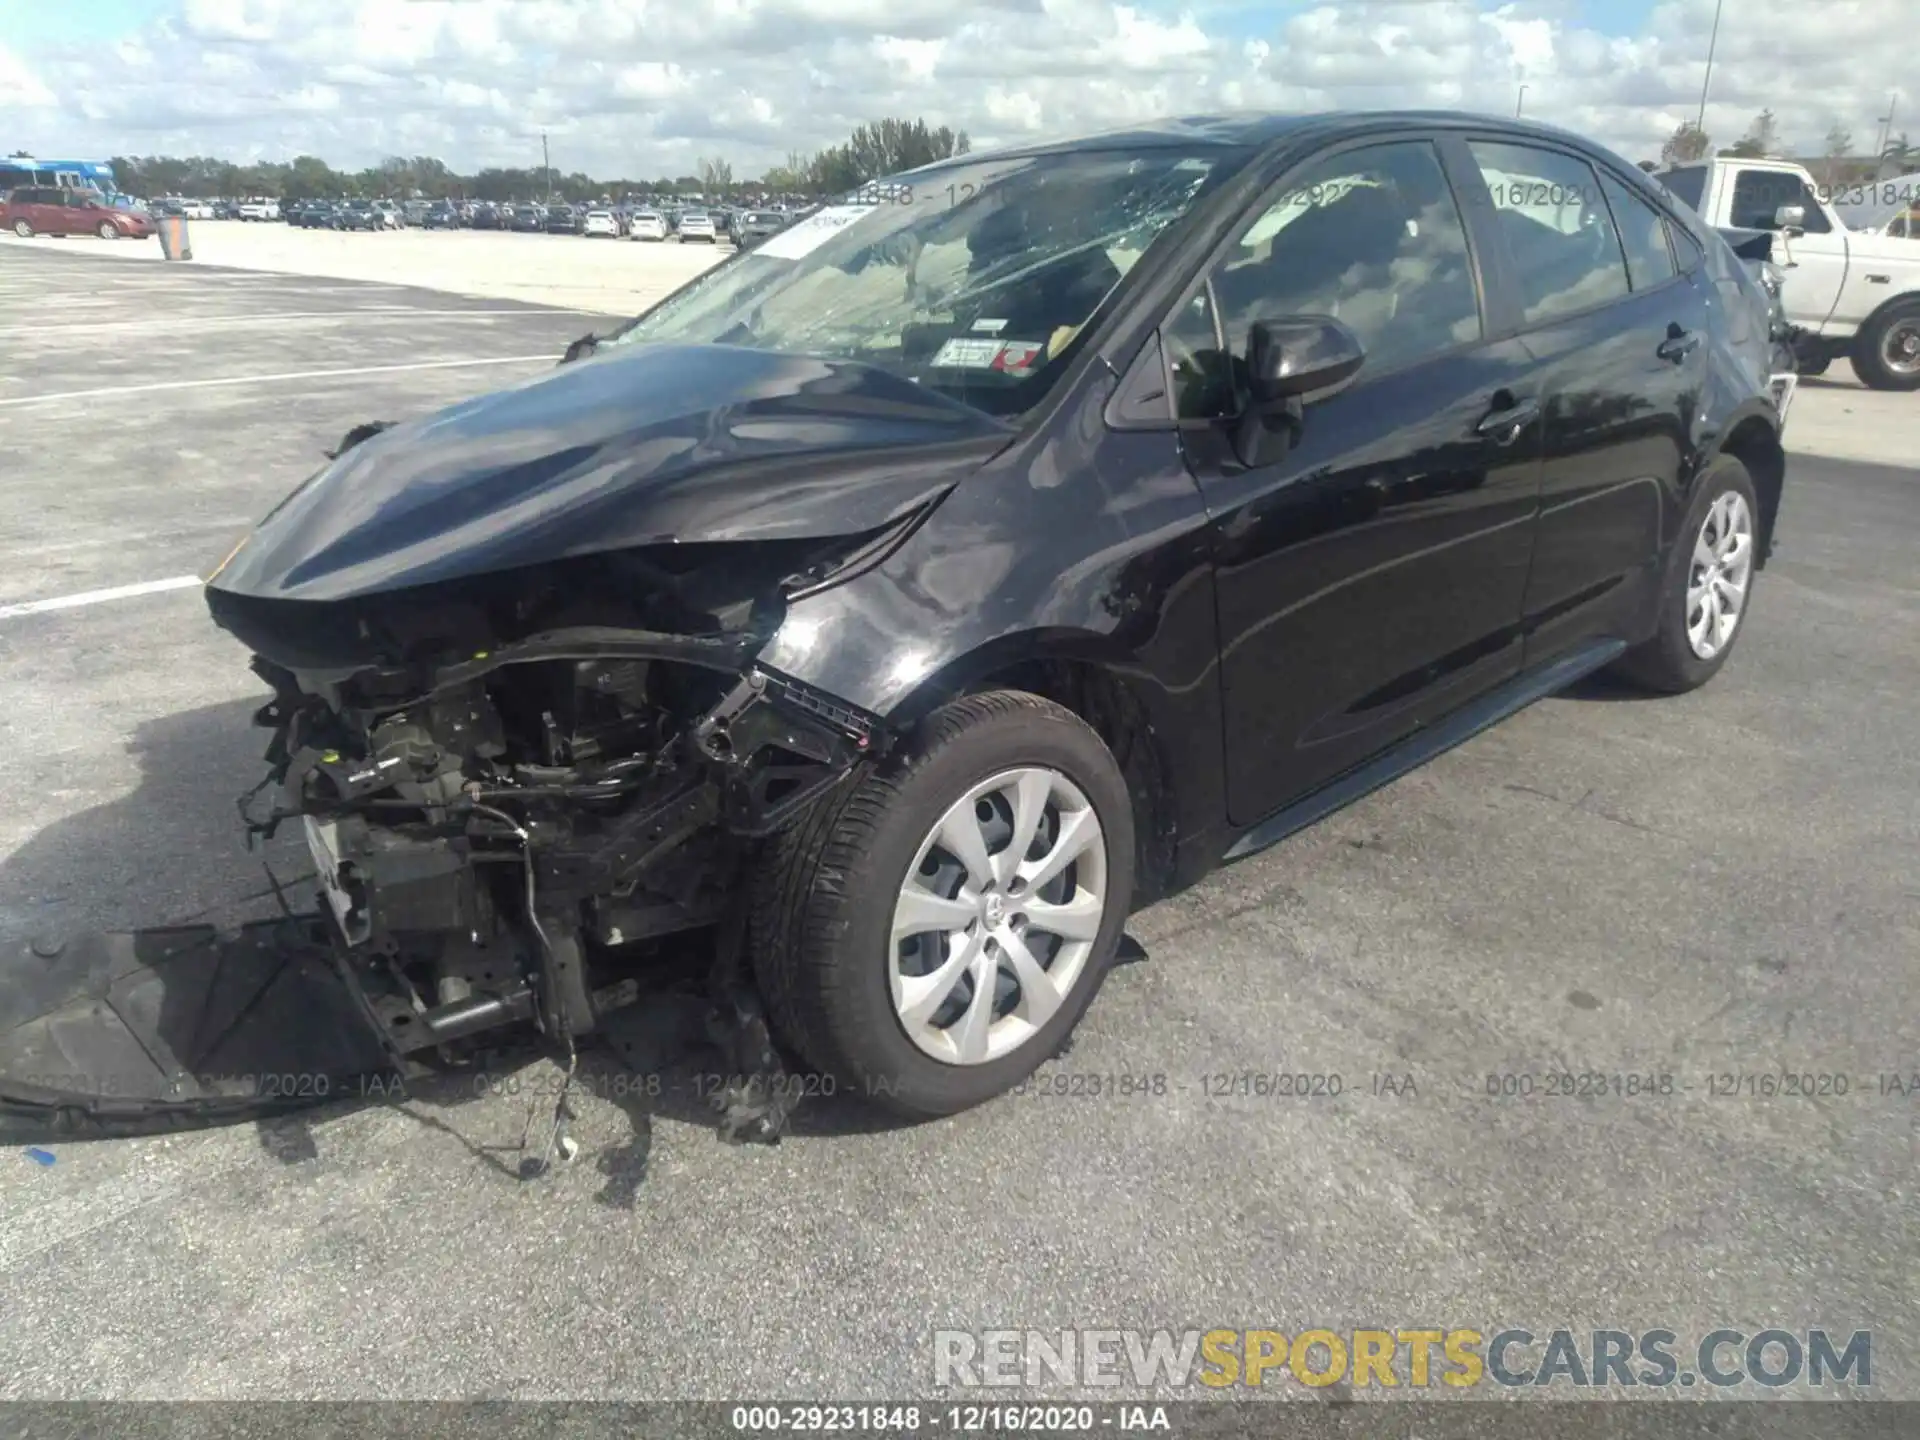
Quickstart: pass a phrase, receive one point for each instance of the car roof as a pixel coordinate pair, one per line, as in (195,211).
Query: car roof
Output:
(1254,129)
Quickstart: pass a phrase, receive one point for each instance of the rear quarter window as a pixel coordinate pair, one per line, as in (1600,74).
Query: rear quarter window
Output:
(1687,184)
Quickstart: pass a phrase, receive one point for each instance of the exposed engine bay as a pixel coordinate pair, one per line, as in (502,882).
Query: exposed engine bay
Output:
(515,792)
(502,829)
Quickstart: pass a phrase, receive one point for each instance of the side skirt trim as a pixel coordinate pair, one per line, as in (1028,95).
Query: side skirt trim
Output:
(1423,745)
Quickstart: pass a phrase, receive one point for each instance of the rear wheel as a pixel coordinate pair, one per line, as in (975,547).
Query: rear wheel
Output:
(931,932)
(1709,582)
(23,229)
(108,230)
(1886,354)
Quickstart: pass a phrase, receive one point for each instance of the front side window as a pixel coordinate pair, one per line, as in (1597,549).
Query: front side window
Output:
(1758,196)
(972,278)
(1566,253)
(1370,237)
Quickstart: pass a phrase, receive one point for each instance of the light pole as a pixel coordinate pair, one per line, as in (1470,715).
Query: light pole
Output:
(1518,101)
(1886,131)
(1700,123)
(546,165)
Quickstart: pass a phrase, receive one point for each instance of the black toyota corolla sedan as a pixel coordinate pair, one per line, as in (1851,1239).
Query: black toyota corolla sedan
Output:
(907,599)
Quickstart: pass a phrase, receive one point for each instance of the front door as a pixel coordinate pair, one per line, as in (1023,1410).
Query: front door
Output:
(1370,558)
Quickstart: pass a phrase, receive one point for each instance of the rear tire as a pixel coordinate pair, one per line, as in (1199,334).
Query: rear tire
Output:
(108,231)
(1886,352)
(835,889)
(23,229)
(1698,584)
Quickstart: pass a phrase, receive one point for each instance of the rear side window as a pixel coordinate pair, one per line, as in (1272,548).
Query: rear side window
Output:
(1565,250)
(1643,234)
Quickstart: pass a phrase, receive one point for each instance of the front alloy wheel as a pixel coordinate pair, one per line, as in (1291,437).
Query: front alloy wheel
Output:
(929,933)
(1722,567)
(998,915)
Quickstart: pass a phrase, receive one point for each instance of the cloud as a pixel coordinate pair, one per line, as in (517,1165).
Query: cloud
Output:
(642,87)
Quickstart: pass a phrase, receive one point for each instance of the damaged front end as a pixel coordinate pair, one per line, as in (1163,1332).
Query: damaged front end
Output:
(518,715)
(510,810)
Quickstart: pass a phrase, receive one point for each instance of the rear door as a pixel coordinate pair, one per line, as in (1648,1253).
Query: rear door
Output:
(1620,338)
(47,211)
(1370,569)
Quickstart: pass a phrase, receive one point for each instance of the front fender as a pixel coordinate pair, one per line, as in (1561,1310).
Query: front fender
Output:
(1076,543)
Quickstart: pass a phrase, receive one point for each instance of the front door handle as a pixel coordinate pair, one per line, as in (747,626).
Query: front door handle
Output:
(1504,425)
(1678,345)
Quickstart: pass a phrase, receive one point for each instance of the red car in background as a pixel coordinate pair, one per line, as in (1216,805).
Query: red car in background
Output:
(52,210)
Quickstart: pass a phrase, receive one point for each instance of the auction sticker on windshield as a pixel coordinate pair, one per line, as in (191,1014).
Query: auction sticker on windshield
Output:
(967,355)
(1015,357)
(813,232)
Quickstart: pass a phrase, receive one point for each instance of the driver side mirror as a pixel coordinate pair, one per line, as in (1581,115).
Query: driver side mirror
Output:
(1286,360)
(1790,218)
(1297,356)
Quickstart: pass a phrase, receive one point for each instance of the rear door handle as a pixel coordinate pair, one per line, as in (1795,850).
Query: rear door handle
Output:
(1678,345)
(1503,426)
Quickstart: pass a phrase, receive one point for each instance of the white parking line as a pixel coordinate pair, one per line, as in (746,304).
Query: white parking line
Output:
(199,322)
(549,357)
(98,597)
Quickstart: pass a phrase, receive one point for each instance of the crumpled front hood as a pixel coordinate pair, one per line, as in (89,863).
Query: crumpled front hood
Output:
(640,445)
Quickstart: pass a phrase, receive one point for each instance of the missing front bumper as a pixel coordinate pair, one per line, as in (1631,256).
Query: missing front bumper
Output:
(179,1027)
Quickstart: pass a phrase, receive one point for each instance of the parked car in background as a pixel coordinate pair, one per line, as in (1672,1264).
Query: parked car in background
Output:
(51,210)
(528,219)
(563,219)
(601,222)
(359,215)
(487,216)
(648,225)
(415,211)
(1849,293)
(258,210)
(198,209)
(440,216)
(753,226)
(698,225)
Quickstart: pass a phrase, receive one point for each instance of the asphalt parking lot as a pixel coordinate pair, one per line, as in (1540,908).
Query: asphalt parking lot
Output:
(1725,884)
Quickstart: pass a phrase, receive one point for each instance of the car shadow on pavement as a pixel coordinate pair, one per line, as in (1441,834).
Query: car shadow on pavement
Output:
(1605,687)
(169,852)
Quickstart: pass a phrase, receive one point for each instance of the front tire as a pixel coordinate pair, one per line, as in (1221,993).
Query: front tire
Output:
(23,229)
(1707,588)
(108,230)
(931,931)
(1886,353)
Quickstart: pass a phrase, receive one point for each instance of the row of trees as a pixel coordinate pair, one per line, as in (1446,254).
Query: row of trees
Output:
(884,147)
(1839,164)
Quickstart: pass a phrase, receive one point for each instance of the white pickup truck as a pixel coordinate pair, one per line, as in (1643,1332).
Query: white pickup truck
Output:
(1851,293)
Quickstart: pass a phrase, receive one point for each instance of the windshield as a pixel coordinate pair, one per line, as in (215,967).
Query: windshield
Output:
(972,277)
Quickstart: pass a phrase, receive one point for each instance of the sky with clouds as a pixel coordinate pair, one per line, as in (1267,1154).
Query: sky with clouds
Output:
(643,87)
